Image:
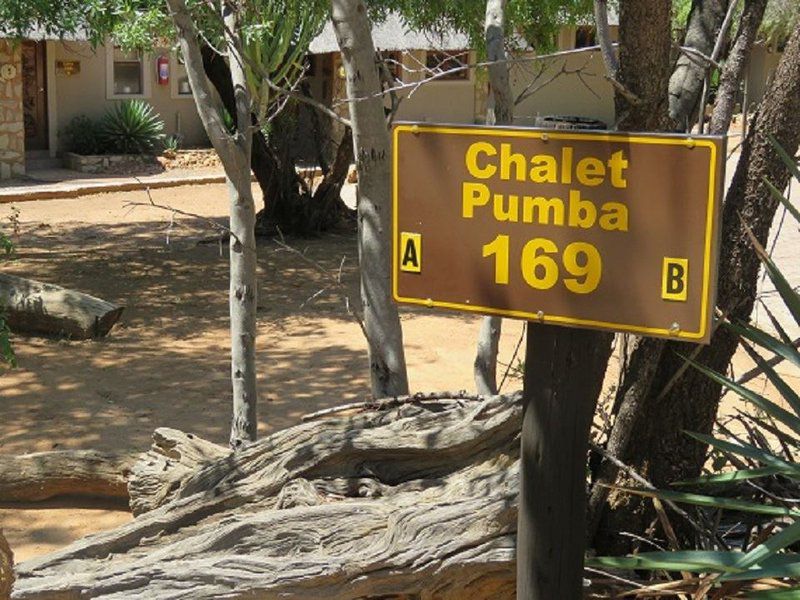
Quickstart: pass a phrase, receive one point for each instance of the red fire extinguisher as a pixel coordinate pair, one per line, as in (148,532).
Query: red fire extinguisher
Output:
(162,68)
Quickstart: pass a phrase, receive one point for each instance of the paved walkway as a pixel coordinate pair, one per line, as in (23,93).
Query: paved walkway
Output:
(62,183)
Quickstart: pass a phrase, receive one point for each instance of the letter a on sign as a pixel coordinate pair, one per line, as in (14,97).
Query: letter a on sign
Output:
(675,279)
(410,252)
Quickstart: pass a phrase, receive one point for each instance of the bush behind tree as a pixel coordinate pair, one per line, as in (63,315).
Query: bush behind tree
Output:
(131,127)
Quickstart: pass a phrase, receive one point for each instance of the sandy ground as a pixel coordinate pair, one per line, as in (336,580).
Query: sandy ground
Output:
(166,362)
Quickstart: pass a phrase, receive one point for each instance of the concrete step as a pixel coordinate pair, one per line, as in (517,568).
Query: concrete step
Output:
(37,163)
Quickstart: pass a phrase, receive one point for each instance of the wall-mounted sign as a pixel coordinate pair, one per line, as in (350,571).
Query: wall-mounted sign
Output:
(601,230)
(68,67)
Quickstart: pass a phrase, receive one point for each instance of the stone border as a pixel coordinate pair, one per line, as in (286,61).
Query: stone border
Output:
(78,188)
(96,163)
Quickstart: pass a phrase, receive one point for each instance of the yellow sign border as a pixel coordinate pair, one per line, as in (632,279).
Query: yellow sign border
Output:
(705,316)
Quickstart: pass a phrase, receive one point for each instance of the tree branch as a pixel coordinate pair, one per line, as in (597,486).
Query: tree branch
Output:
(604,37)
(209,106)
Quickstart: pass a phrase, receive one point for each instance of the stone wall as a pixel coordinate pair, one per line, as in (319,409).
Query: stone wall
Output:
(12,130)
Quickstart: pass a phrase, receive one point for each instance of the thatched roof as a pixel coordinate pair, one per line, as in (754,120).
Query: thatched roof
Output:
(394,34)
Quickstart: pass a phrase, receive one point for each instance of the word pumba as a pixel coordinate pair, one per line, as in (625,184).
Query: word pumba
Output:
(513,208)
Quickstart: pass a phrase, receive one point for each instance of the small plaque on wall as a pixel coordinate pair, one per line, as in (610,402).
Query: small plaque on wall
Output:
(68,67)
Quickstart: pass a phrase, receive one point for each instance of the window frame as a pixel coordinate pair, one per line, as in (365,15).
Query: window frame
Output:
(463,76)
(146,70)
(176,67)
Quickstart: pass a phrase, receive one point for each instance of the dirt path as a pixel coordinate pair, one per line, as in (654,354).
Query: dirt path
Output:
(166,362)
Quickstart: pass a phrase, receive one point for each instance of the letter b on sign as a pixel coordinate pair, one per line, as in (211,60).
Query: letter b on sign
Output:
(675,279)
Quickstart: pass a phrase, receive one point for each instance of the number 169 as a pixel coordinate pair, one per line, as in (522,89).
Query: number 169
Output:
(540,270)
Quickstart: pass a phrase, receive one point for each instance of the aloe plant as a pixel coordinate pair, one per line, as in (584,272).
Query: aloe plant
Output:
(758,465)
(131,127)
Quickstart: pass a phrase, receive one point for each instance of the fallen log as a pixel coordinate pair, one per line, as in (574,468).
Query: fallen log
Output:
(43,475)
(33,307)
(173,458)
(414,502)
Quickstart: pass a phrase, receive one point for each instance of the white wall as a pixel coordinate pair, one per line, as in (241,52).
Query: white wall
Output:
(438,101)
(86,93)
(581,90)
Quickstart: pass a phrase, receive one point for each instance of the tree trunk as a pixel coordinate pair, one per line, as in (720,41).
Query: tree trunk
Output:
(644,70)
(733,71)
(288,206)
(485,365)
(235,152)
(367,506)
(686,82)
(499,112)
(373,160)
(6,568)
(243,293)
(265,166)
(682,399)
(174,457)
(32,307)
(43,475)
(644,65)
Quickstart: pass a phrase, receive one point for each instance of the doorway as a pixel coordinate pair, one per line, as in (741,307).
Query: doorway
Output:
(34,95)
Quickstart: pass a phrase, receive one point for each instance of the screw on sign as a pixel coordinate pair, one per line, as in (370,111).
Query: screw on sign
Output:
(588,230)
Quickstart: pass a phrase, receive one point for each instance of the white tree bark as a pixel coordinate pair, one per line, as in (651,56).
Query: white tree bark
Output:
(499,112)
(373,161)
(235,153)
(604,37)
(173,458)
(415,501)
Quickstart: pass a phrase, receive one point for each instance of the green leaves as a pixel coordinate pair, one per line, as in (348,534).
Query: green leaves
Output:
(769,560)
(131,127)
(715,502)
(697,561)
(536,21)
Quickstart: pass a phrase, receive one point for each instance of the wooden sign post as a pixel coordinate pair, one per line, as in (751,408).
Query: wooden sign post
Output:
(595,231)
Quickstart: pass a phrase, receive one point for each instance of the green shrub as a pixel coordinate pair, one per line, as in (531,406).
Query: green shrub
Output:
(172,143)
(756,474)
(131,127)
(83,136)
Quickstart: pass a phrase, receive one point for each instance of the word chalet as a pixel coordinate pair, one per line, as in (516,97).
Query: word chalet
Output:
(485,162)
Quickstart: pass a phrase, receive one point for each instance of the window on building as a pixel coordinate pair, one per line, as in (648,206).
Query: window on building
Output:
(585,36)
(394,62)
(439,62)
(128,73)
(179,78)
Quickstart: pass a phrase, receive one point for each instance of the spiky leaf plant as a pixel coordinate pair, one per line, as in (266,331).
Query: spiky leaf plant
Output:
(760,496)
(131,127)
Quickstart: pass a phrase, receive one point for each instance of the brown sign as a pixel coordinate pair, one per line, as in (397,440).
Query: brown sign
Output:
(603,230)
(68,67)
